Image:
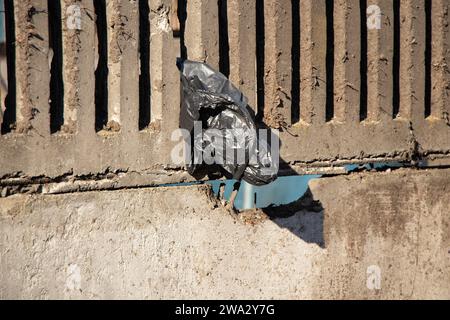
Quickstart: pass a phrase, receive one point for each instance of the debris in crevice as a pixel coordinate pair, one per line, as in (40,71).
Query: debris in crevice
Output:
(112,126)
(415,154)
(161,18)
(109,179)
(167,176)
(253,217)
(394,156)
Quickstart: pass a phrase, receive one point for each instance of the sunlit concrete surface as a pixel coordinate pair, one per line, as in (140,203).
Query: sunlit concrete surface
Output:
(378,235)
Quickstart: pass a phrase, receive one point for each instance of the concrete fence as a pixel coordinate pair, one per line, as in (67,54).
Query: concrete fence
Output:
(94,96)
(93,85)
(346,80)
(89,92)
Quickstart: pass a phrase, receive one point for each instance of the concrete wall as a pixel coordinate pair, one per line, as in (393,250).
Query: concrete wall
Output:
(279,53)
(299,64)
(78,147)
(181,243)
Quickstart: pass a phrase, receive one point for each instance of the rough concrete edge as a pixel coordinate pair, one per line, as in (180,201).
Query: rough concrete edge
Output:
(212,201)
(157,176)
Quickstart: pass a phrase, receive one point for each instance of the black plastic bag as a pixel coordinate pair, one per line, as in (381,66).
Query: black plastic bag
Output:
(222,127)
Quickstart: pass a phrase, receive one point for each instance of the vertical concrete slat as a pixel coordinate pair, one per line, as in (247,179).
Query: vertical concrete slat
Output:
(23,109)
(32,67)
(129,68)
(202,31)
(380,51)
(86,62)
(242,41)
(165,79)
(347,60)
(313,49)
(412,60)
(71,46)
(277,57)
(440,70)
(115,32)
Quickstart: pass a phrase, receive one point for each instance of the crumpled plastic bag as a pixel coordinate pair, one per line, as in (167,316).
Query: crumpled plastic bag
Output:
(219,119)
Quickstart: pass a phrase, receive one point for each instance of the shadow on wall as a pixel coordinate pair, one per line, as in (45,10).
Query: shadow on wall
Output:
(287,202)
(304,218)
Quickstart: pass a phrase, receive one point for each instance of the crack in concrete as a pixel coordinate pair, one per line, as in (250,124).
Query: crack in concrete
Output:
(19,183)
(399,156)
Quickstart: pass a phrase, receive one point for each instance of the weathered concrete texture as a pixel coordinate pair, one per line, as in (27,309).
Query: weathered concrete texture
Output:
(242,41)
(202,31)
(412,46)
(76,148)
(180,243)
(76,46)
(31,51)
(440,73)
(347,60)
(277,60)
(313,50)
(380,53)
(399,222)
(31,149)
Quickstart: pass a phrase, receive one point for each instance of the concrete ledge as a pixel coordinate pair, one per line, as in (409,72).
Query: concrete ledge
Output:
(181,243)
